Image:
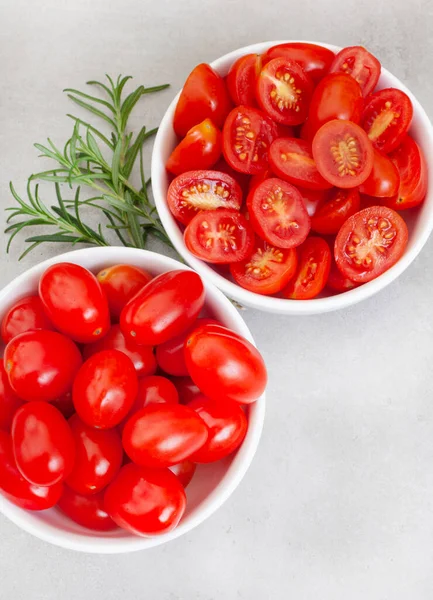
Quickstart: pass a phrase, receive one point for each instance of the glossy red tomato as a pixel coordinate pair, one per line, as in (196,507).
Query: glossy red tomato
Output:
(98,457)
(224,365)
(164,308)
(384,179)
(64,404)
(120,283)
(337,96)
(75,302)
(219,236)
(142,357)
(412,168)
(340,205)
(284,91)
(267,270)
(360,64)
(247,135)
(386,118)
(369,243)
(291,159)
(186,389)
(338,282)
(41,365)
(242,79)
(105,389)
(27,314)
(313,270)
(313,199)
(199,149)
(227,425)
(9,401)
(184,471)
(161,435)
(16,489)
(87,511)
(315,60)
(343,153)
(204,96)
(146,502)
(278,214)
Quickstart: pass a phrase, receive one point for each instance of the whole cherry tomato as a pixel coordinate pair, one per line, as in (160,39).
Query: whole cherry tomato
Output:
(64,404)
(105,389)
(120,283)
(27,314)
(384,179)
(186,389)
(144,501)
(87,511)
(41,365)
(43,444)
(199,149)
(184,471)
(9,401)
(98,457)
(75,302)
(166,307)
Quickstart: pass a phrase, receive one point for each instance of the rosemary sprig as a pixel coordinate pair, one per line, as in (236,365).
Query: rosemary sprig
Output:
(92,161)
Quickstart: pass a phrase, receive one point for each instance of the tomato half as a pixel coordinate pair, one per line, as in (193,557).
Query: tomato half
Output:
(27,314)
(247,135)
(284,91)
(369,243)
(278,214)
(87,511)
(9,401)
(291,159)
(360,64)
(338,282)
(343,153)
(386,118)
(242,79)
(184,471)
(120,283)
(313,270)
(315,60)
(199,149)
(412,168)
(384,179)
(340,205)
(337,96)
(204,96)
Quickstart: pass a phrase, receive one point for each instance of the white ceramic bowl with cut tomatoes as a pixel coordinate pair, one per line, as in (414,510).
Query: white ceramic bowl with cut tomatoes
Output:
(212,483)
(419,221)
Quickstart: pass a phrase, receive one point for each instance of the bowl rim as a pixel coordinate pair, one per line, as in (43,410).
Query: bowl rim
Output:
(88,541)
(270,303)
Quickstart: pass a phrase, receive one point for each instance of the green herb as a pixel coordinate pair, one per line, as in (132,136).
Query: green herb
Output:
(92,161)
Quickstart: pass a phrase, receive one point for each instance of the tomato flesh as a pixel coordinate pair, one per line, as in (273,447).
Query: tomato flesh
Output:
(333,213)
(242,78)
(357,62)
(27,314)
(199,149)
(315,60)
(412,168)
(313,270)
(384,179)
(120,283)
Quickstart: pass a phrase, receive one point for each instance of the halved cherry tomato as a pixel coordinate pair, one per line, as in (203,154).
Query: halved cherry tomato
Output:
(199,149)
(196,191)
(120,283)
(87,511)
(338,282)
(204,96)
(284,91)
(313,199)
(9,401)
(184,471)
(331,215)
(166,307)
(186,389)
(242,79)
(315,60)
(278,214)
(267,271)
(384,179)
(313,270)
(343,153)
(161,435)
(337,96)
(27,314)
(64,404)
(369,243)
(75,302)
(360,64)
(41,365)
(386,118)
(142,357)
(291,159)
(247,135)
(146,502)
(219,236)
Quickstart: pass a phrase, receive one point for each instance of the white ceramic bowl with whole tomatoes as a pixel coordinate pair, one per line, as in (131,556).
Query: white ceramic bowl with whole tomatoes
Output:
(49,457)
(377,175)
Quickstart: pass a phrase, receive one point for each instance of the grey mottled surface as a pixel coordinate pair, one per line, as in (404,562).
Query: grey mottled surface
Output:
(339,501)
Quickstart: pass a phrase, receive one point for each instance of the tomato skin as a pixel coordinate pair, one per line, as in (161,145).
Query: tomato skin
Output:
(25,315)
(161,435)
(166,307)
(227,425)
(337,96)
(384,179)
(98,457)
(146,502)
(307,131)
(184,471)
(16,489)
(412,168)
(331,216)
(41,365)
(314,199)
(204,96)
(224,365)
(9,401)
(64,404)
(357,62)
(337,282)
(120,283)
(199,149)
(313,270)
(142,357)
(242,78)
(186,389)
(243,179)
(315,60)
(87,511)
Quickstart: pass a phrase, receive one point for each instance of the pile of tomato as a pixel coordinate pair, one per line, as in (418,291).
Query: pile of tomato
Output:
(291,169)
(112,389)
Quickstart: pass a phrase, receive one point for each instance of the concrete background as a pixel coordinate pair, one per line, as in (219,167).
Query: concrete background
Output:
(339,501)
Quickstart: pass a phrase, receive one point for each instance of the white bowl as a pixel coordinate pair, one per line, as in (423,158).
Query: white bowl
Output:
(420,222)
(211,485)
